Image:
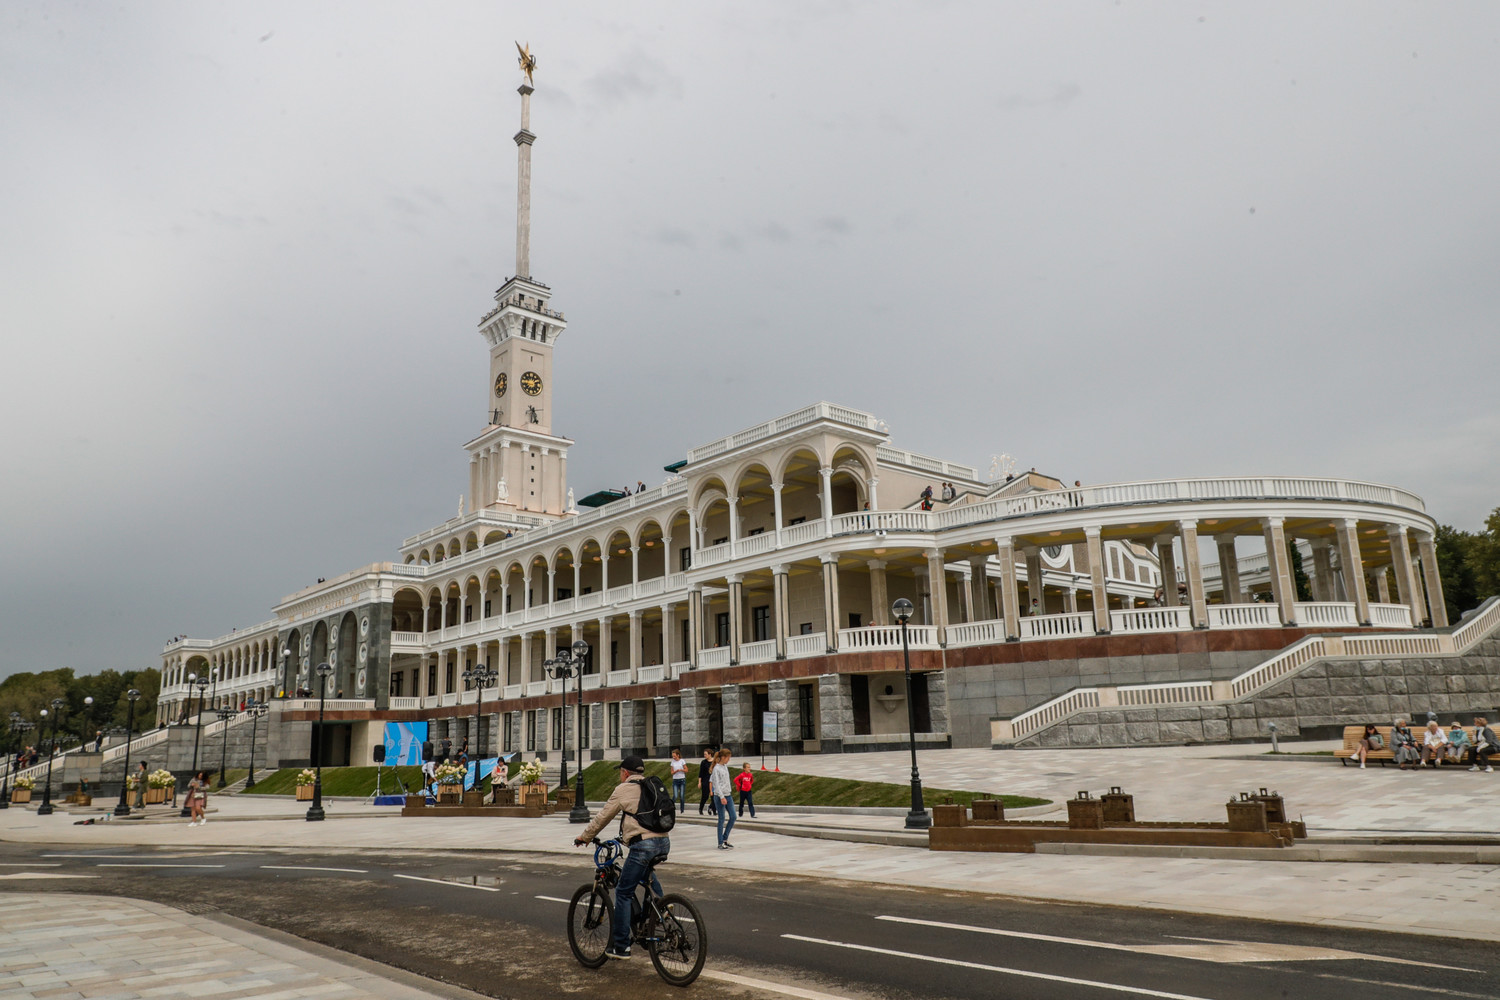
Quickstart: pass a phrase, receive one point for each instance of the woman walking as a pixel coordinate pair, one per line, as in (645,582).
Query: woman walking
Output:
(705,768)
(197,798)
(140,787)
(679,780)
(723,796)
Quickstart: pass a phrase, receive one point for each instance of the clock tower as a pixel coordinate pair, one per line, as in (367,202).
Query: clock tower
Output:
(517,464)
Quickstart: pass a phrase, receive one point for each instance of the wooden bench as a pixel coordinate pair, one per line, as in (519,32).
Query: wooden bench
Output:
(1353,734)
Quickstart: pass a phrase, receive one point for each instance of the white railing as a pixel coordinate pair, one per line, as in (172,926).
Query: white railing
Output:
(513,691)
(1390,615)
(1244,616)
(592,681)
(617,678)
(977,633)
(680,668)
(448,699)
(430,701)
(755,545)
(1057,626)
(1278,666)
(1052,711)
(450,633)
(714,656)
(810,644)
(888,520)
(798,418)
(651,674)
(1178,619)
(536,688)
(1176,693)
(138,744)
(623,592)
(712,555)
(407,639)
(652,587)
(514,618)
(330,704)
(405,703)
(936,466)
(1336,614)
(1397,645)
(587,602)
(758,652)
(887,637)
(807,531)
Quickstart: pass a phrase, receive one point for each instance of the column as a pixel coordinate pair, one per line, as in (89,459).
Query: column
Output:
(776,507)
(577,580)
(1036,590)
(1407,588)
(1383,585)
(543,502)
(695,625)
(482,497)
(979,587)
(830,600)
(1437,607)
(736,598)
(1070,599)
(1166,558)
(873,482)
(780,606)
(1192,565)
(635,570)
(526,594)
(1229,570)
(1283,586)
(473,479)
(1010,602)
(880,596)
(966,592)
(1322,569)
(937,578)
(734,525)
(826,472)
(1354,568)
(551,590)
(1093,538)
(635,644)
(606,638)
(668,655)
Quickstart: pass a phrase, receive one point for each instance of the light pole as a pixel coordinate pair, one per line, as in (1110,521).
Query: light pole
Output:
(256,710)
(202,684)
(482,676)
(123,809)
(225,714)
(286,672)
(315,811)
(570,663)
(917,819)
(18,726)
(45,809)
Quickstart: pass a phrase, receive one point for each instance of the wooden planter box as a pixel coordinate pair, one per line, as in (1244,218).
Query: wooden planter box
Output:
(447,798)
(416,802)
(155,796)
(503,796)
(473,798)
(20,795)
(304,793)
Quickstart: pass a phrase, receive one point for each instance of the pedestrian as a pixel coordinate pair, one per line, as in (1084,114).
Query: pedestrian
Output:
(745,782)
(98,740)
(705,770)
(197,798)
(679,780)
(140,787)
(645,849)
(723,794)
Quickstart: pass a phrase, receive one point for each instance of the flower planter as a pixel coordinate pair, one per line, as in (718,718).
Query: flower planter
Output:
(539,786)
(503,797)
(450,795)
(473,798)
(20,795)
(304,793)
(564,799)
(155,796)
(416,802)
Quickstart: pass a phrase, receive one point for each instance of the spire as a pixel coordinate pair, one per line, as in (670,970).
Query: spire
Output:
(524,139)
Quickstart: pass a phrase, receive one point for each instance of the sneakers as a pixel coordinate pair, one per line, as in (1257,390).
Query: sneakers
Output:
(1361,765)
(1474,768)
(723,847)
(613,952)
(1354,755)
(1489,768)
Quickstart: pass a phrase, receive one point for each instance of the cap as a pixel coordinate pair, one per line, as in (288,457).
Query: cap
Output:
(633,764)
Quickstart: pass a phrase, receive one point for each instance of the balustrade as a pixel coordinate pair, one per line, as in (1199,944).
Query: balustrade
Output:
(712,555)
(758,652)
(807,531)
(1390,615)
(679,668)
(587,602)
(513,691)
(715,656)
(1057,626)
(1325,613)
(407,638)
(448,699)
(651,674)
(617,678)
(535,689)
(1176,619)
(887,637)
(1175,693)
(592,681)
(807,644)
(977,633)
(1244,616)
(402,704)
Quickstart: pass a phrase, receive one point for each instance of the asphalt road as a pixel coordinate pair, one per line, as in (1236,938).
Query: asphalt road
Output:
(494,922)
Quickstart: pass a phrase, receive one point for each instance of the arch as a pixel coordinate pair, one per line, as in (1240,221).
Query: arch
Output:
(406,610)
(617,557)
(438,553)
(317,653)
(797,458)
(705,486)
(346,677)
(491,537)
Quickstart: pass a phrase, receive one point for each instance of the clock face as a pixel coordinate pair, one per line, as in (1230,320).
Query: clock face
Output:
(531,383)
(500,384)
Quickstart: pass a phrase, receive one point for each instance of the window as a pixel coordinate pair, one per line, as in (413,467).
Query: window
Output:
(507,602)
(468,612)
(505,735)
(721,541)
(531,729)
(452,677)
(687,641)
(805,628)
(721,622)
(757,531)
(760,623)
(685,557)
(557,728)
(807,711)
(583,726)
(796,520)
(855,619)
(396,681)
(614,724)
(432,678)
(486,607)
(563,593)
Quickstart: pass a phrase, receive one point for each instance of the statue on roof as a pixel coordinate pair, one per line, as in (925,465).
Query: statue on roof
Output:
(527,61)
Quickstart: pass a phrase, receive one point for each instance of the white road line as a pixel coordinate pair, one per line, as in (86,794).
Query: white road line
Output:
(1203,950)
(1024,973)
(121,857)
(554,899)
(311,868)
(440,881)
(800,992)
(168,865)
(23,864)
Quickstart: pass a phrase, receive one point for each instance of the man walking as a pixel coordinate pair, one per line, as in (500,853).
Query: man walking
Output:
(644,847)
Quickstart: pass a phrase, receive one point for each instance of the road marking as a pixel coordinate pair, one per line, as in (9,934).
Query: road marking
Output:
(311,868)
(1024,973)
(763,984)
(554,899)
(119,857)
(440,881)
(23,876)
(167,865)
(24,864)
(1206,950)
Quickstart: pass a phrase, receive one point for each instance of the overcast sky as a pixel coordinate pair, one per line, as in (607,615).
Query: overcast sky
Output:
(244,249)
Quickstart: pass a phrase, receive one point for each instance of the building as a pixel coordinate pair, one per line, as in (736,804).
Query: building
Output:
(760,575)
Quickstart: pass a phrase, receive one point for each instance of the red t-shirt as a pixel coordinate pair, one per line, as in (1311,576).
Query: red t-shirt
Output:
(744,780)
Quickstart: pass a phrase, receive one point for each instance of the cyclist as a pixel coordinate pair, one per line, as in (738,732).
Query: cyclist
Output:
(643,846)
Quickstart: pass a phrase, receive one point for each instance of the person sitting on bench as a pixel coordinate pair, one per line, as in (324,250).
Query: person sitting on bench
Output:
(1458,743)
(1403,744)
(1434,744)
(1484,744)
(1371,740)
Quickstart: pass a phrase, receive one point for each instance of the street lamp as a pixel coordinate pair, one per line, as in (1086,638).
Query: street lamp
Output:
(225,714)
(45,809)
(286,670)
(315,811)
(18,726)
(917,819)
(482,676)
(256,710)
(202,684)
(123,809)
(570,663)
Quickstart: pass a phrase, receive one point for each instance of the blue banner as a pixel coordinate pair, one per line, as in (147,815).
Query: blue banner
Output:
(403,742)
(486,766)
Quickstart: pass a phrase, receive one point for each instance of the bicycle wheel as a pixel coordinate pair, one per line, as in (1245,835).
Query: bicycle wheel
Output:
(679,945)
(589,925)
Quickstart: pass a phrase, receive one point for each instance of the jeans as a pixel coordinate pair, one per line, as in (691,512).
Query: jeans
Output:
(747,801)
(632,873)
(726,813)
(679,793)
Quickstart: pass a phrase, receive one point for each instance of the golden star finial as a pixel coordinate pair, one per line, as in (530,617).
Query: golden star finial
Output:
(527,60)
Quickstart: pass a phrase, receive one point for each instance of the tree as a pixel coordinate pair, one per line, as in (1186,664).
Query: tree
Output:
(1469,564)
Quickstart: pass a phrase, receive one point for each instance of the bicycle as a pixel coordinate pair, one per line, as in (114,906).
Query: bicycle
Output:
(669,926)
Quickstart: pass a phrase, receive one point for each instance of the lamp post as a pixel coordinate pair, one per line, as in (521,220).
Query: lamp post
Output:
(202,684)
(315,811)
(123,808)
(286,671)
(482,676)
(45,809)
(18,726)
(570,663)
(225,714)
(917,819)
(256,710)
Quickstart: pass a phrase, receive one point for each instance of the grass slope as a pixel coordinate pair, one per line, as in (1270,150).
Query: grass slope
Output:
(347,781)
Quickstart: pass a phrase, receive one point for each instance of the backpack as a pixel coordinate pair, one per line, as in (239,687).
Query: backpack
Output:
(656,811)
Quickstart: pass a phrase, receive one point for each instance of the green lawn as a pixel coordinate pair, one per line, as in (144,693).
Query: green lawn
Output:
(348,781)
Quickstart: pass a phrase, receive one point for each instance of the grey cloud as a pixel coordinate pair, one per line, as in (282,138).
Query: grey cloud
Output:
(1062,95)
